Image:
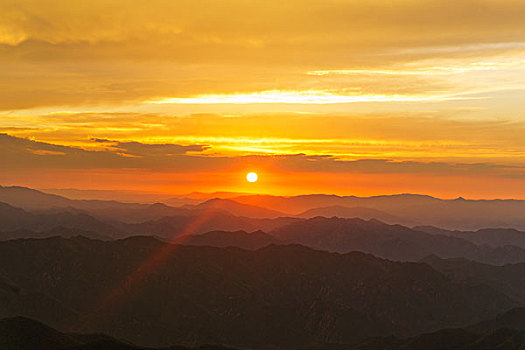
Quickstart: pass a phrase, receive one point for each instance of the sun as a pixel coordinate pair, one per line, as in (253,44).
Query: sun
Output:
(252,177)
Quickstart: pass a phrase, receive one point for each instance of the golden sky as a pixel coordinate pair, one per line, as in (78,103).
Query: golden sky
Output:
(347,97)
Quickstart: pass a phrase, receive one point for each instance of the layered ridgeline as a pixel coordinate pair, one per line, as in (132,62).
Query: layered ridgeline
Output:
(222,229)
(155,294)
(404,209)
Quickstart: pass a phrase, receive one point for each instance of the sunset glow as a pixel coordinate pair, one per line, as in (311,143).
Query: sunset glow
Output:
(425,91)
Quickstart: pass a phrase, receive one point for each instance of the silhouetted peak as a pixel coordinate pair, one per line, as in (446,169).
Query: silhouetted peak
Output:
(159,206)
(140,240)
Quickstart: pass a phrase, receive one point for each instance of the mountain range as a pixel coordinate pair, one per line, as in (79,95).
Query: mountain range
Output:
(406,209)
(156,294)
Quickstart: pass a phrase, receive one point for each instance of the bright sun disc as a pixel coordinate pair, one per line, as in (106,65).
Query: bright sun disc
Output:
(251,177)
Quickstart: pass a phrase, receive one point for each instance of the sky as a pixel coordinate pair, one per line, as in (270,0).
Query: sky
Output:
(316,96)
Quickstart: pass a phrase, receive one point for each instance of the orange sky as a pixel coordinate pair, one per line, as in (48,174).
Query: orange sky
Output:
(334,96)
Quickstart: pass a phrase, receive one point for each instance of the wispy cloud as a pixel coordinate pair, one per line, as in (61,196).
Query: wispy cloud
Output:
(297,97)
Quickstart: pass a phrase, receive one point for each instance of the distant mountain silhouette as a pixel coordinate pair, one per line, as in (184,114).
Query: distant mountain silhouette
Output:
(156,294)
(31,199)
(461,214)
(237,209)
(352,212)
(394,242)
(44,203)
(495,237)
(16,219)
(407,209)
(171,227)
(53,232)
(239,239)
(299,204)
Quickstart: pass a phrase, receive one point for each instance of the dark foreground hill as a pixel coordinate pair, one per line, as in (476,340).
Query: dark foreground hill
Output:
(155,294)
(503,332)
(20,333)
(508,279)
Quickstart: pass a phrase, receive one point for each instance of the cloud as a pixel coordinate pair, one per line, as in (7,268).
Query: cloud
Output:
(117,52)
(150,150)
(19,153)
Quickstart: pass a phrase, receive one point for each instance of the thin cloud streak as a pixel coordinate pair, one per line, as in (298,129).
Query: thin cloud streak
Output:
(298,97)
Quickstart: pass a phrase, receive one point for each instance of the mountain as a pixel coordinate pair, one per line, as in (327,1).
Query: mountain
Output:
(18,223)
(20,333)
(53,232)
(44,203)
(394,242)
(16,301)
(239,239)
(16,219)
(157,294)
(495,237)
(512,319)
(447,339)
(200,222)
(505,331)
(299,204)
(508,279)
(352,212)
(237,209)
(459,213)
(31,199)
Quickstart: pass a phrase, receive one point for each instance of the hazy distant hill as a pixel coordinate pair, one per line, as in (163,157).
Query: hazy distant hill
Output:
(171,227)
(407,209)
(459,213)
(299,204)
(237,209)
(16,219)
(45,203)
(31,199)
(239,239)
(53,232)
(394,242)
(157,294)
(352,212)
(495,237)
